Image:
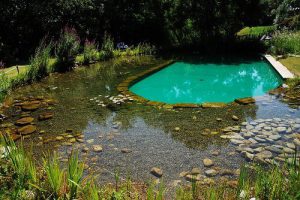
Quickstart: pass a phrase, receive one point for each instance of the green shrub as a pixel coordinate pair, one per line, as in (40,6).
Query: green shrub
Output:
(286,43)
(107,47)
(255,32)
(38,68)
(89,52)
(66,49)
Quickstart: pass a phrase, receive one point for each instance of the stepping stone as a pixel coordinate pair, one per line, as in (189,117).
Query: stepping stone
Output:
(208,162)
(156,172)
(97,148)
(24,121)
(26,130)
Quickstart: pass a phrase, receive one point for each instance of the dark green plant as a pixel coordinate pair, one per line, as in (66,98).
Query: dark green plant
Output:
(66,50)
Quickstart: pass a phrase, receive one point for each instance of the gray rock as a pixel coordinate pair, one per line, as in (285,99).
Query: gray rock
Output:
(273,149)
(211,172)
(264,154)
(195,171)
(288,150)
(97,148)
(253,141)
(296,142)
(281,129)
(259,139)
(291,145)
(274,137)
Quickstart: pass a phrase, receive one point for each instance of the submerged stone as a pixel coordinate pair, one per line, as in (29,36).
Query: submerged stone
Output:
(156,172)
(208,162)
(24,121)
(26,130)
(46,116)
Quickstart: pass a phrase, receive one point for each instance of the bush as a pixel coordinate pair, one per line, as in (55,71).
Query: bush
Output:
(286,43)
(107,47)
(39,62)
(66,49)
(89,52)
(255,32)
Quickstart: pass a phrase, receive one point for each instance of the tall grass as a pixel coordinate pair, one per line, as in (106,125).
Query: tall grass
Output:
(90,52)
(38,68)
(75,174)
(66,49)
(5,84)
(107,50)
(286,43)
(55,175)
(53,181)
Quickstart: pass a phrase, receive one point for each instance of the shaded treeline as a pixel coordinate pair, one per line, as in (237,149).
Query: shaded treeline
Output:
(166,23)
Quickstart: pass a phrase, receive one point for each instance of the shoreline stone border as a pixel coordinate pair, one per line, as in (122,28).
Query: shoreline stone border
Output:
(124,86)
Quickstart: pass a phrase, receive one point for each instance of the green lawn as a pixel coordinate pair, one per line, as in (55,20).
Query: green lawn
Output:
(12,72)
(293,64)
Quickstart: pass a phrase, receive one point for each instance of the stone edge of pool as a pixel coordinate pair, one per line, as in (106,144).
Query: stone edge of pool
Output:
(279,68)
(124,86)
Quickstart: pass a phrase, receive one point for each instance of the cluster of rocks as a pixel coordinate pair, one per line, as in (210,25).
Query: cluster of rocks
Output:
(266,140)
(23,109)
(106,101)
(206,177)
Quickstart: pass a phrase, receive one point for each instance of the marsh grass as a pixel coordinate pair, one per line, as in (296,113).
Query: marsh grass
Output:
(90,52)
(66,49)
(54,175)
(286,43)
(38,67)
(53,181)
(75,174)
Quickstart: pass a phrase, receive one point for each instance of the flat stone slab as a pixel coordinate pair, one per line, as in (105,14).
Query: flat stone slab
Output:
(213,105)
(280,68)
(245,101)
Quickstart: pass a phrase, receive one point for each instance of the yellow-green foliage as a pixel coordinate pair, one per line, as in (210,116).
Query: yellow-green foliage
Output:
(255,32)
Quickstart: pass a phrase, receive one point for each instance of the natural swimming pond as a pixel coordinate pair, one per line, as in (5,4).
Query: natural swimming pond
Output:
(135,136)
(208,81)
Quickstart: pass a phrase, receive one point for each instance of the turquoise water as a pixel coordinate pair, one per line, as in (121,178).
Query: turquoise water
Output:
(203,81)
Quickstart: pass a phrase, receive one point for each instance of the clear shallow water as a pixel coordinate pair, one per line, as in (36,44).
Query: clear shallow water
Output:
(198,82)
(146,130)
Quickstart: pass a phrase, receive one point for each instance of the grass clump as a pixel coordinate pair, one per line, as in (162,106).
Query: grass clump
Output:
(107,50)
(90,52)
(66,49)
(286,43)
(38,68)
